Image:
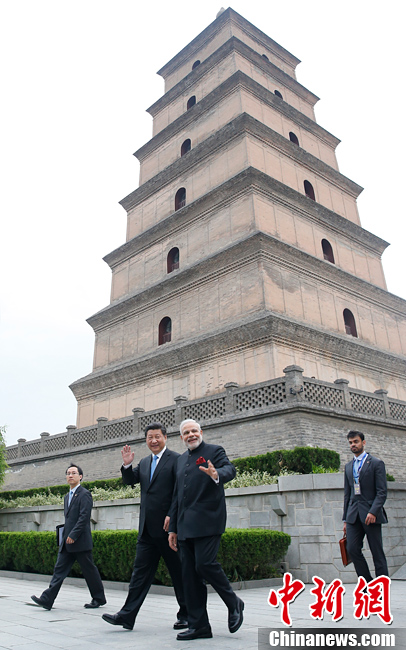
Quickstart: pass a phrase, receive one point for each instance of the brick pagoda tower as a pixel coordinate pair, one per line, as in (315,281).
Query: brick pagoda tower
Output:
(244,250)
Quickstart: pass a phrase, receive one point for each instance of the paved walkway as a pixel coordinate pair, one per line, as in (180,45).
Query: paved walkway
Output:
(24,626)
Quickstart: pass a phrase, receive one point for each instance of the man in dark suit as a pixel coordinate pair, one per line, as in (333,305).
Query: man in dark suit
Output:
(156,474)
(365,493)
(197,521)
(76,544)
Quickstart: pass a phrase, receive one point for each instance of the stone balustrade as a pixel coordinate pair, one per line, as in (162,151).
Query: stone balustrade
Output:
(234,402)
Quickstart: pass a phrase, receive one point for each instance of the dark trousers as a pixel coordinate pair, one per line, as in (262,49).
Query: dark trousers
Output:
(355,537)
(199,565)
(149,551)
(62,568)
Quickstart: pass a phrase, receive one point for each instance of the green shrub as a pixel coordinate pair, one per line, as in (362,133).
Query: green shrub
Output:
(3,461)
(319,469)
(252,554)
(61,490)
(252,470)
(248,479)
(47,498)
(390,477)
(30,552)
(299,459)
(244,554)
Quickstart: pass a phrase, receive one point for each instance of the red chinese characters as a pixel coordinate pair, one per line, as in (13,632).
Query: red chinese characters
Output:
(330,600)
(369,598)
(287,594)
(373,598)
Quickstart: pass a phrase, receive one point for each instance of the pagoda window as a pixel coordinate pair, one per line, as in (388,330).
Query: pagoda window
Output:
(309,190)
(349,322)
(293,138)
(165,331)
(191,102)
(172,262)
(180,198)
(186,146)
(327,251)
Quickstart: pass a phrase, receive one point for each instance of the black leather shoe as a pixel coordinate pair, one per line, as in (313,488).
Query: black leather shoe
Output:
(191,633)
(115,619)
(94,604)
(41,603)
(180,624)
(235,617)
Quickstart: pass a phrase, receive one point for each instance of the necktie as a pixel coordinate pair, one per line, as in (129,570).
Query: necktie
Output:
(70,498)
(357,464)
(153,465)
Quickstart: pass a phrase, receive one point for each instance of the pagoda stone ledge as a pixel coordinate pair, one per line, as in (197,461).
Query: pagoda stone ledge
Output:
(256,246)
(248,180)
(239,127)
(234,45)
(308,508)
(237,79)
(262,328)
(278,414)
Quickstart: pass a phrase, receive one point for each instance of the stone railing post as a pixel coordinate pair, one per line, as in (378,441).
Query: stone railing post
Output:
(343,385)
(69,430)
(294,383)
(179,413)
(137,420)
(44,435)
(384,394)
(20,444)
(230,387)
(100,427)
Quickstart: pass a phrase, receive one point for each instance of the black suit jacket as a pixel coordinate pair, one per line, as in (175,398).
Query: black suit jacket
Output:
(372,480)
(156,495)
(199,505)
(77,521)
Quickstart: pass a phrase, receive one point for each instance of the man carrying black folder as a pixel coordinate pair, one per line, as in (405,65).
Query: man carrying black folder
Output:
(76,544)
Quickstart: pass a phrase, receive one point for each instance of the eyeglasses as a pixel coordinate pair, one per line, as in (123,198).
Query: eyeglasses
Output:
(71,473)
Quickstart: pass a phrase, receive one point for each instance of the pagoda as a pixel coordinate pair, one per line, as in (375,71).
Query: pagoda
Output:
(244,252)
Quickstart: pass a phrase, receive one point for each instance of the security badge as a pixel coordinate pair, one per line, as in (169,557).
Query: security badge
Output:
(357,488)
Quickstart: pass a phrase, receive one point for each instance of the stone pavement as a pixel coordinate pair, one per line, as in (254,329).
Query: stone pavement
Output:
(24,626)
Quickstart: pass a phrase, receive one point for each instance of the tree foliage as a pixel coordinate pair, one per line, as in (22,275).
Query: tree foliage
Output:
(3,462)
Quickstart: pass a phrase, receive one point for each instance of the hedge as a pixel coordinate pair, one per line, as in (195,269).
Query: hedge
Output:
(299,459)
(61,490)
(245,554)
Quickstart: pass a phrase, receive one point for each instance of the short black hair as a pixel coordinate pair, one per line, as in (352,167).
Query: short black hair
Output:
(155,425)
(80,470)
(354,434)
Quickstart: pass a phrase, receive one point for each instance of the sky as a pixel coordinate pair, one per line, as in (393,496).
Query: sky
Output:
(76,80)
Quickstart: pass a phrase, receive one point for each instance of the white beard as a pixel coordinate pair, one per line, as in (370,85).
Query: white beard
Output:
(195,443)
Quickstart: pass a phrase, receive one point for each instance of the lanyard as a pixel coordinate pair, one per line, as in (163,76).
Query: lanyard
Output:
(356,473)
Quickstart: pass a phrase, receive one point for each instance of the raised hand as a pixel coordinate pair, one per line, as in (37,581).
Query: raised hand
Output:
(127,454)
(210,470)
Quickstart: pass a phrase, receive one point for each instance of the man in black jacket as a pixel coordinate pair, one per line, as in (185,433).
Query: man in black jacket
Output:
(156,474)
(197,521)
(365,493)
(76,544)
